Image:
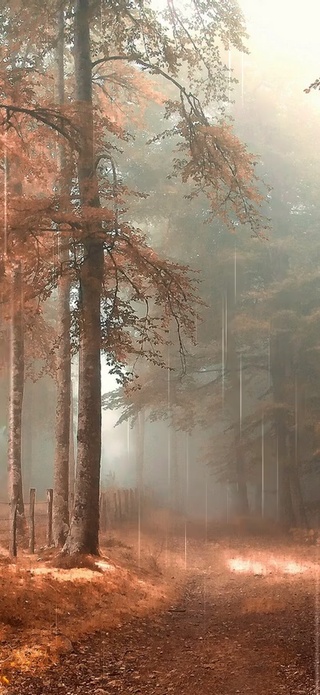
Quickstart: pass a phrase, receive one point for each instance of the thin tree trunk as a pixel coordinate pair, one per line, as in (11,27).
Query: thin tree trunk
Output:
(62,429)
(84,531)
(16,399)
(63,372)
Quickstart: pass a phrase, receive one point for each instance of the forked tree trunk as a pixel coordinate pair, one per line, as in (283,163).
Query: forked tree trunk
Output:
(84,531)
(63,371)
(16,399)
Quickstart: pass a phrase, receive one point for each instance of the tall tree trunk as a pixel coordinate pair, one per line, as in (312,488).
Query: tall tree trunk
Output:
(16,398)
(84,531)
(60,522)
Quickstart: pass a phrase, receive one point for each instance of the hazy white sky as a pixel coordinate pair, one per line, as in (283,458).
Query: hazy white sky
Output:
(287,25)
(284,37)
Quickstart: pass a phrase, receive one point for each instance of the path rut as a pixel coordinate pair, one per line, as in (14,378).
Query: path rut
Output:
(226,634)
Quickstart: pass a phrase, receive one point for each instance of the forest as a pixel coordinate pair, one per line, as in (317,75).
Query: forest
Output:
(159,344)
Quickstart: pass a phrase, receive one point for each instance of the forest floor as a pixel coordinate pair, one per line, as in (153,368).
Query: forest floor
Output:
(211,613)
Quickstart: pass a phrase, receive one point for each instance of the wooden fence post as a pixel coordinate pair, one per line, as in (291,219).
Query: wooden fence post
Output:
(31,520)
(49,516)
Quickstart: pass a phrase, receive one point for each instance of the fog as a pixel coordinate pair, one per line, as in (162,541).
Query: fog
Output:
(280,123)
(226,418)
(159,347)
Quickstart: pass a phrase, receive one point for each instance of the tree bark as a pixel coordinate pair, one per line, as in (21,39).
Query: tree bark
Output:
(16,399)
(84,530)
(63,371)
(62,428)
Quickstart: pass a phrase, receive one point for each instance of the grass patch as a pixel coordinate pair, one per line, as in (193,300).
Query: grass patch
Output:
(50,601)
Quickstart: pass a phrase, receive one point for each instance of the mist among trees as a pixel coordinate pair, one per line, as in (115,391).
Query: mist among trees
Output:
(160,219)
(159,347)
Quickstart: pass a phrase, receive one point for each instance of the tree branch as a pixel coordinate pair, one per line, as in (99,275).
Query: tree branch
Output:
(148,66)
(43,116)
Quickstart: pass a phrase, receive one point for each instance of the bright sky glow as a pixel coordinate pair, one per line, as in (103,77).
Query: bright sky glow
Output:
(284,44)
(288,26)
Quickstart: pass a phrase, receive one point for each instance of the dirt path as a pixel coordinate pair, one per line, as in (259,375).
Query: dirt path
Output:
(228,633)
